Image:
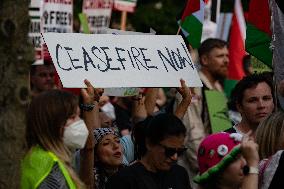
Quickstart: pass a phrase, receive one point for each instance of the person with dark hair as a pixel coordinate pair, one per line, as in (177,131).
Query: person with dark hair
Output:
(160,142)
(42,77)
(108,155)
(213,58)
(253,98)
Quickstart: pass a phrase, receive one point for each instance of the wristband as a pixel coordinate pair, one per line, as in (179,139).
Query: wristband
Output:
(87,107)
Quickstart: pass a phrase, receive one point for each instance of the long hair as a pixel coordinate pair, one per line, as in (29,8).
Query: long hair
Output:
(46,116)
(270,135)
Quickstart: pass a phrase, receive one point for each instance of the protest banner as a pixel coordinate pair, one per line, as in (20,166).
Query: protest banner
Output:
(35,12)
(58,16)
(98,14)
(121,60)
(218,110)
(123,91)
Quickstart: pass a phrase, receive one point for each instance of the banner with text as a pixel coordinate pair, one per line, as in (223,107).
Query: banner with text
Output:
(98,14)
(58,16)
(35,12)
(108,60)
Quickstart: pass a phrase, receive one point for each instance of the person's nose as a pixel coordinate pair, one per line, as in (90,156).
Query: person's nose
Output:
(261,104)
(115,145)
(226,60)
(174,157)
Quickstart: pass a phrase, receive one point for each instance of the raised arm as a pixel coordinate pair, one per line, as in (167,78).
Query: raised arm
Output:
(186,99)
(150,100)
(250,153)
(90,98)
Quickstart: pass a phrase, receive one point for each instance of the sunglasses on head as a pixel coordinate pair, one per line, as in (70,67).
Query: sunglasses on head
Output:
(169,152)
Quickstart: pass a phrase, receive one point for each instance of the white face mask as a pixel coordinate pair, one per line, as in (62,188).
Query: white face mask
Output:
(75,135)
(108,109)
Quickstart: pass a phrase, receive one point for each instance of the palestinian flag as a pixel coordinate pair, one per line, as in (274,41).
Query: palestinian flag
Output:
(237,43)
(192,20)
(258,34)
(236,48)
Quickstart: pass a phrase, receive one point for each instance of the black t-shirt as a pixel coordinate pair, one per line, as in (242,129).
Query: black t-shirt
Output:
(137,177)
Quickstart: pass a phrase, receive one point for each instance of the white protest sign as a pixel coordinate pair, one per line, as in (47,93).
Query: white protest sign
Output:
(122,91)
(98,14)
(58,16)
(108,60)
(35,12)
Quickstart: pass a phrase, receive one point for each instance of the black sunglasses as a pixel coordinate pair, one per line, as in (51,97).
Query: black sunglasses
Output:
(169,152)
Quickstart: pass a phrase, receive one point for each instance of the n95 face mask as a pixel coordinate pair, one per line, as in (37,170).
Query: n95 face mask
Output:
(75,135)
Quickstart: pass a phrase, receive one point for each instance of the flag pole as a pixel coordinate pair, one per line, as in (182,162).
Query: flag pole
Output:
(123,20)
(179,28)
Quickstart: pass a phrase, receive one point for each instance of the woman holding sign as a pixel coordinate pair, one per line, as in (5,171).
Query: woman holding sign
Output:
(54,129)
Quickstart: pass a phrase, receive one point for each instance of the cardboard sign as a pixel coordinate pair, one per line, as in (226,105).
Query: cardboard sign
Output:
(98,14)
(123,91)
(218,110)
(35,12)
(125,5)
(58,16)
(108,60)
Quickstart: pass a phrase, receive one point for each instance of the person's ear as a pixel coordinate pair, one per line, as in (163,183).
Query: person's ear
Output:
(149,145)
(204,60)
(239,108)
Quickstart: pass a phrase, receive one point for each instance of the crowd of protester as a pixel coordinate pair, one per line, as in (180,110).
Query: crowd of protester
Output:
(153,140)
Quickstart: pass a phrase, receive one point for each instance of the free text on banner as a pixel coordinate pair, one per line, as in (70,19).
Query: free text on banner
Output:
(108,60)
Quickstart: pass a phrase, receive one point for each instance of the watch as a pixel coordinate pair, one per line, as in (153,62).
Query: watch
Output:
(87,107)
(250,170)
(253,170)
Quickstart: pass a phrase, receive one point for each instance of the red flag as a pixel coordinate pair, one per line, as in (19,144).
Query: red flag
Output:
(191,7)
(237,47)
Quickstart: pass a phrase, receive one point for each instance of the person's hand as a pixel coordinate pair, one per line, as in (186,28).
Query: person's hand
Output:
(250,151)
(90,94)
(139,109)
(185,91)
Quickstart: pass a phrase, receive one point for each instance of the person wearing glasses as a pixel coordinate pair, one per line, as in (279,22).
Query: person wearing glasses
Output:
(158,143)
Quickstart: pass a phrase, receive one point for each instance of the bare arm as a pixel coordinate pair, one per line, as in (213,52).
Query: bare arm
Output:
(150,100)
(139,111)
(250,153)
(91,118)
(186,100)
